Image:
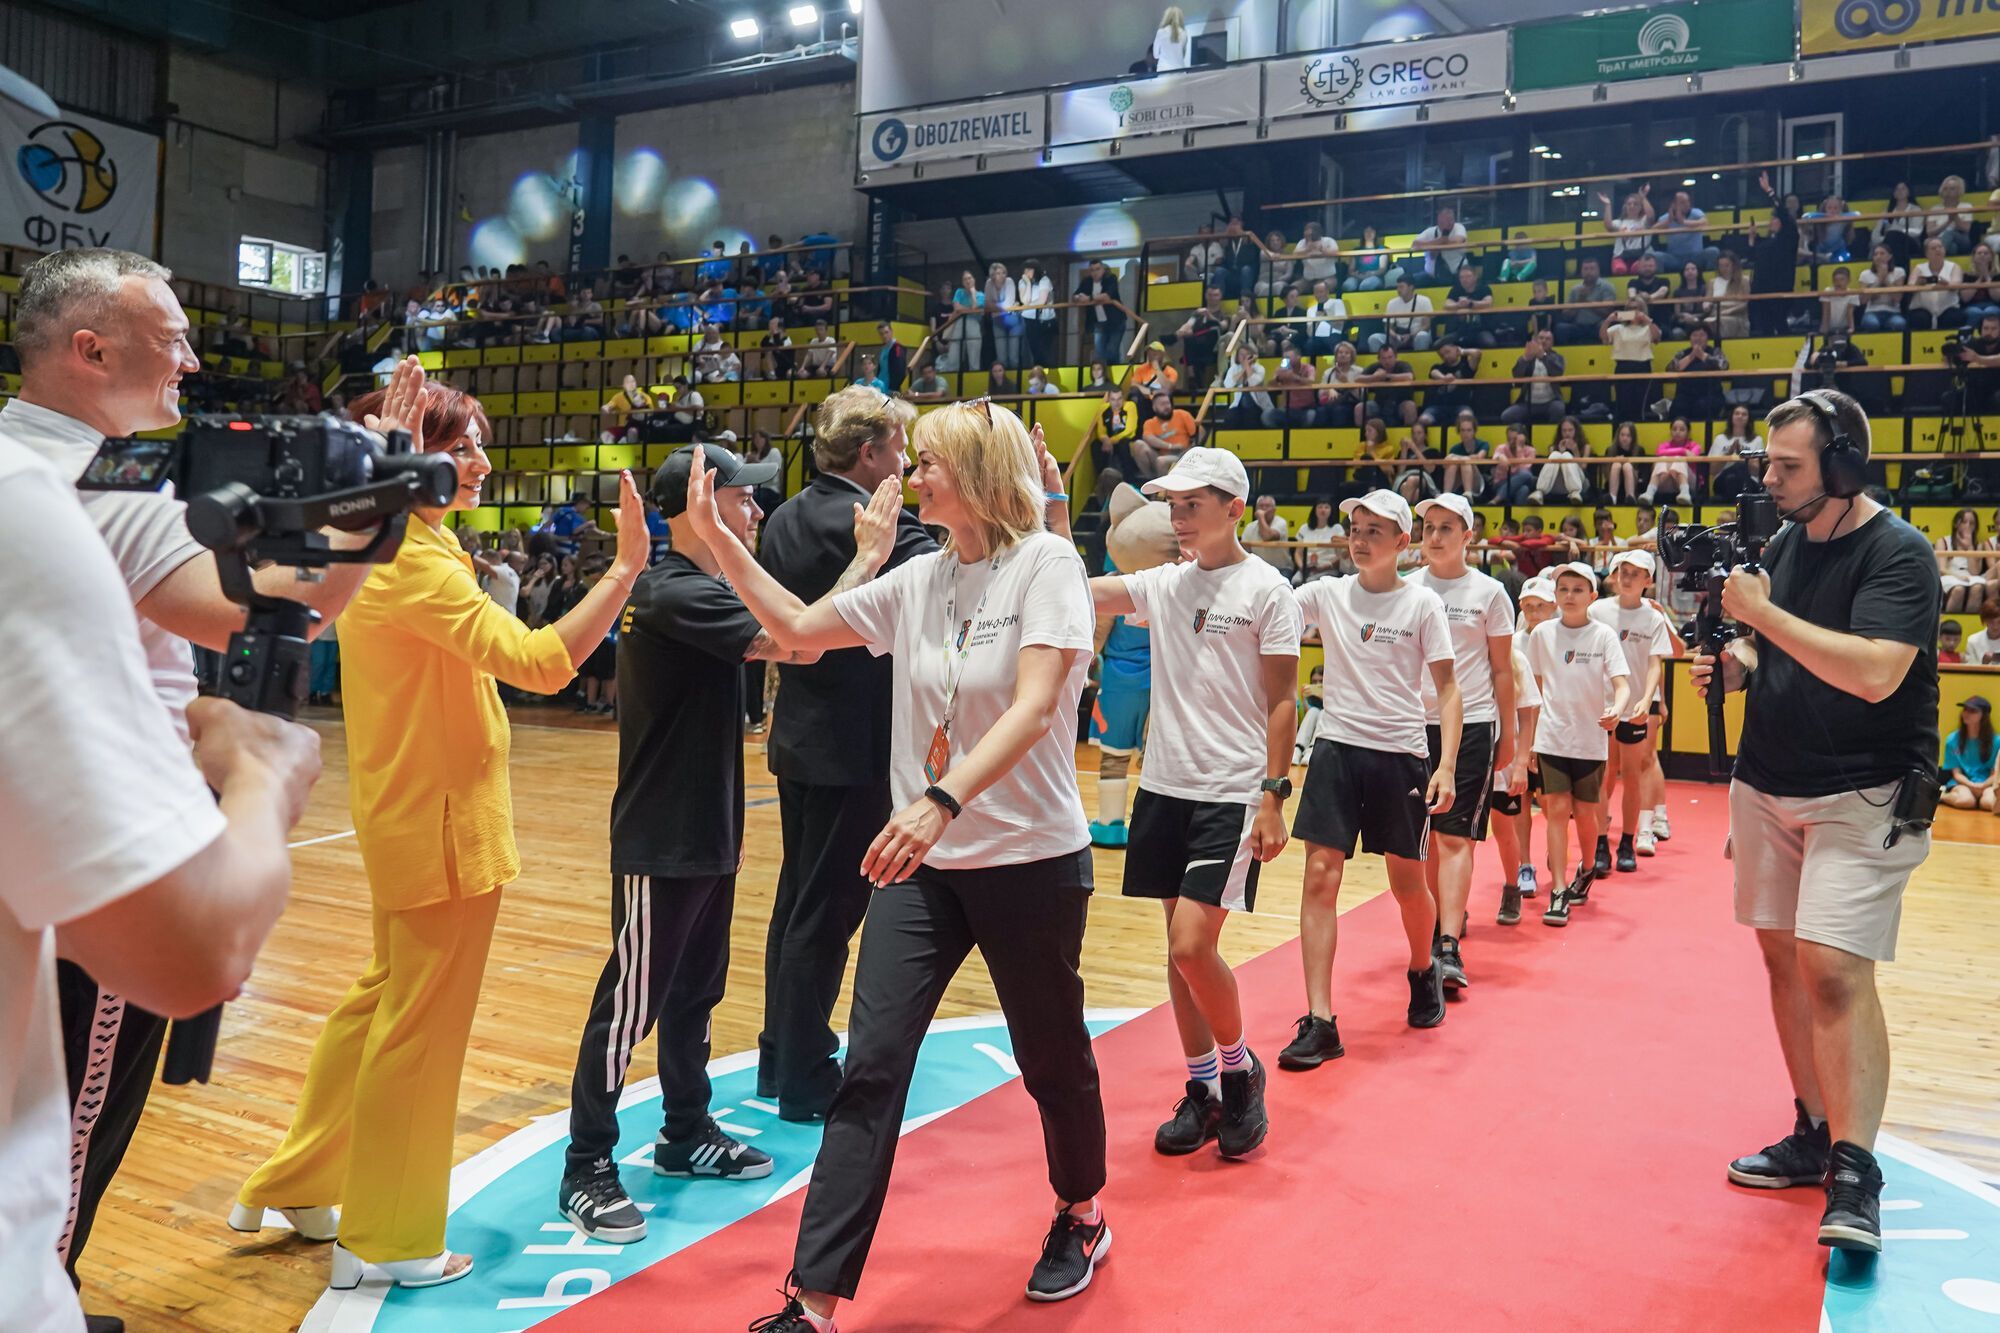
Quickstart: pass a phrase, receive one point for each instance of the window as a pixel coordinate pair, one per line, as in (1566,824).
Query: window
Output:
(281,267)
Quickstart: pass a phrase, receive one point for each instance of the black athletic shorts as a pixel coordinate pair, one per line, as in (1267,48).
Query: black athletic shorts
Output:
(1373,796)
(1581,778)
(1505,803)
(602,664)
(1179,848)
(1474,775)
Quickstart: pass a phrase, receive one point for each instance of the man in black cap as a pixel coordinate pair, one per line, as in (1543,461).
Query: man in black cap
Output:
(676,844)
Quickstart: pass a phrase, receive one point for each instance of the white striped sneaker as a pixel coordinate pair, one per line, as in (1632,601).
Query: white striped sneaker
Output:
(709,1152)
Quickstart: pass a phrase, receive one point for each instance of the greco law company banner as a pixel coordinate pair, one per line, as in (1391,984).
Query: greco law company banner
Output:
(1386,74)
(964,129)
(1828,27)
(1155,104)
(75,181)
(1645,43)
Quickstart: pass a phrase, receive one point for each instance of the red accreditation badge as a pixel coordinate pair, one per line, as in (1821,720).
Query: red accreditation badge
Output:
(938,756)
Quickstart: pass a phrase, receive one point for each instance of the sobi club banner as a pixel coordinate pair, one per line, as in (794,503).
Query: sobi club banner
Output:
(1647,43)
(1159,104)
(1388,74)
(1829,27)
(965,129)
(75,182)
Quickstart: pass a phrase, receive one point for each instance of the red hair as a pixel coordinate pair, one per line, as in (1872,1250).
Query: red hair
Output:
(448,414)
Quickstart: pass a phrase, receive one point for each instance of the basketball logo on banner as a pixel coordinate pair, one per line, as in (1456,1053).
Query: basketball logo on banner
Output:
(68,167)
(76,181)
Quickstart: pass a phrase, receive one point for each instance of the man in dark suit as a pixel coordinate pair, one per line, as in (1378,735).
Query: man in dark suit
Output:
(828,748)
(1104,319)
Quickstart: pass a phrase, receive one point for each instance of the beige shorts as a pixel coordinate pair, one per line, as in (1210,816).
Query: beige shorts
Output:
(1815,865)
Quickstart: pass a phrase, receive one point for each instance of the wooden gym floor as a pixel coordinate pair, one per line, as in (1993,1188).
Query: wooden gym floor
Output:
(162,1258)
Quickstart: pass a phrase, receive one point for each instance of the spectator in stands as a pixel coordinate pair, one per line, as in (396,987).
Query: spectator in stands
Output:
(1264,526)
(1964,587)
(1773,259)
(1204,261)
(1241,260)
(1951,640)
(1562,478)
(1630,333)
(1519,263)
(870,373)
(1512,476)
(1951,220)
(1538,401)
(1832,231)
(715,361)
(629,398)
(1105,317)
(716,268)
(1379,452)
(1341,404)
(1464,478)
(1169,431)
(1590,288)
(1201,337)
(1648,282)
(1039,382)
(1969,770)
(1621,474)
(779,358)
(1469,294)
(567,524)
(821,352)
(1293,312)
(1684,242)
(1636,215)
(1604,535)
(1172,44)
(1450,380)
(928,385)
(1442,245)
(687,415)
(1117,427)
(1278,270)
(539,581)
(1002,317)
(1406,325)
(1388,370)
(1981,294)
(1297,399)
(1727,479)
(814,301)
(1245,317)
(1882,313)
(1319,559)
(1983,648)
(1838,302)
(893,360)
(1035,295)
(753,310)
(1100,379)
(1415,480)
(1937,305)
(1248,404)
(1979,354)
(1328,319)
(1535,549)
(1155,373)
(1901,227)
(1370,270)
(1319,256)
(1698,398)
(1691,306)
(961,339)
(1673,474)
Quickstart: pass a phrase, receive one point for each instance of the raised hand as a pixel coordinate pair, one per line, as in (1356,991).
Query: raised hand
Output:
(635,543)
(701,510)
(875,523)
(402,404)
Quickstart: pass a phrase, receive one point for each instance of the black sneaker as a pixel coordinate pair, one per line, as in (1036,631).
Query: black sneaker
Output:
(1510,905)
(1853,1217)
(597,1206)
(1628,860)
(1602,865)
(1316,1042)
(1427,997)
(1452,964)
(1197,1118)
(709,1152)
(791,1319)
(1070,1254)
(1244,1123)
(1557,912)
(1579,888)
(1799,1158)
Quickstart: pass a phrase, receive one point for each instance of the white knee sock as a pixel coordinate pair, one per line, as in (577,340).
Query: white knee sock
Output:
(1111,800)
(1204,1069)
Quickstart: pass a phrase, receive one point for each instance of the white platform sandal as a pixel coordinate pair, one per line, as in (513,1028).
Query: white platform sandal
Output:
(348,1268)
(312,1223)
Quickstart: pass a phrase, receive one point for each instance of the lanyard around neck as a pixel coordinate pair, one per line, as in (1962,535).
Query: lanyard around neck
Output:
(958,636)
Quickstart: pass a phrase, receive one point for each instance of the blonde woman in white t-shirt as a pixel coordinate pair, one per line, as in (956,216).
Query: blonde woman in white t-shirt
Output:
(1171,44)
(991,639)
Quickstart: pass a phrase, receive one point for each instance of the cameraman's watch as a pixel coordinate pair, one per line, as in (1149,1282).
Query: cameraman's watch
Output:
(1281,786)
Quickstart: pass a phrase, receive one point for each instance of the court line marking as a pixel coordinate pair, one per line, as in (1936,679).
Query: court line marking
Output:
(314,842)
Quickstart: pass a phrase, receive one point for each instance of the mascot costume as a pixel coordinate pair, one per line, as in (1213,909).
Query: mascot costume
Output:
(1138,536)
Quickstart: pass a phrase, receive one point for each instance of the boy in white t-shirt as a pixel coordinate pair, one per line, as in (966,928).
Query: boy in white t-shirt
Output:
(1513,811)
(1642,633)
(1578,665)
(1368,781)
(1482,639)
(1225,645)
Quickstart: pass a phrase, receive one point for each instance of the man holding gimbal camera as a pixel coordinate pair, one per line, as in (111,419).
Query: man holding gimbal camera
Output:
(1835,784)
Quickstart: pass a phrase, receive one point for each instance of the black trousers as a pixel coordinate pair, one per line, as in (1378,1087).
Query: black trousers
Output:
(669,961)
(1027,923)
(753,691)
(821,900)
(112,1050)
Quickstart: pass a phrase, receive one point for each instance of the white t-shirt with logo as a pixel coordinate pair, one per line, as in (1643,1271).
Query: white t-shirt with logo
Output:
(1379,647)
(1527,694)
(98,798)
(1576,668)
(1478,610)
(1981,650)
(1642,633)
(1034,594)
(1211,630)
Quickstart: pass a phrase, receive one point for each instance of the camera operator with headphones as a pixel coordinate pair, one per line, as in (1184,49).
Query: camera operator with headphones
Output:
(1835,784)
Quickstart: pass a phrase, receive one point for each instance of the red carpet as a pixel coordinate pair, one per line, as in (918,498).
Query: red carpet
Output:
(1551,1158)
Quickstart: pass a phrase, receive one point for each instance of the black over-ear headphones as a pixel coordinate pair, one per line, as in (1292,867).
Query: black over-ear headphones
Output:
(1843,464)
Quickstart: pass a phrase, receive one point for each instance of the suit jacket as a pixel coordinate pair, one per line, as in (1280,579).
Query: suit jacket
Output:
(833,717)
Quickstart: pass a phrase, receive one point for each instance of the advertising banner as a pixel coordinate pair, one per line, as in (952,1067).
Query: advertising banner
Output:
(1647,43)
(966,129)
(75,182)
(1829,27)
(1158,104)
(1388,74)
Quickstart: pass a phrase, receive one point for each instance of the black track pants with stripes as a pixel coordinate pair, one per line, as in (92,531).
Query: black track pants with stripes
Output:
(669,961)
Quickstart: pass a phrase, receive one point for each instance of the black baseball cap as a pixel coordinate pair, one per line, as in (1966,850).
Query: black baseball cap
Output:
(670,482)
(1978,701)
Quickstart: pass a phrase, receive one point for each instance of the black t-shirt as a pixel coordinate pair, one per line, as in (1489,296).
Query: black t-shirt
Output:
(1982,379)
(1803,737)
(1450,390)
(1480,292)
(1655,289)
(678,810)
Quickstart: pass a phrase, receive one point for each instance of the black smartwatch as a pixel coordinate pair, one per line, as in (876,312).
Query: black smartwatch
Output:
(942,798)
(1282,786)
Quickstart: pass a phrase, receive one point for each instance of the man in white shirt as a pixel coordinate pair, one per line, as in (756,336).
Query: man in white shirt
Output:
(1406,325)
(114,843)
(821,351)
(1329,320)
(1444,247)
(1983,647)
(1319,255)
(1265,526)
(1647,641)
(1212,795)
(1481,618)
(500,577)
(1368,782)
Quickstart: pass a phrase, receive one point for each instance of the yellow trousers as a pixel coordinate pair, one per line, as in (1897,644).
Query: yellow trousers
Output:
(373,1130)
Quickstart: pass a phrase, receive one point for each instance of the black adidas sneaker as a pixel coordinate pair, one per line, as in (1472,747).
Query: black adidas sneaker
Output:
(596,1204)
(709,1152)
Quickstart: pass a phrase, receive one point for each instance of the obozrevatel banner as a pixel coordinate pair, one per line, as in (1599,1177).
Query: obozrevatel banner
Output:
(75,181)
(967,129)
(1389,74)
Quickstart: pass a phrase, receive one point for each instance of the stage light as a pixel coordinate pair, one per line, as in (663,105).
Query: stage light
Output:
(803,16)
(854,6)
(744,29)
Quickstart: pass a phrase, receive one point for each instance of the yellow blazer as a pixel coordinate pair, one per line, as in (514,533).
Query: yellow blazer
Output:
(427,737)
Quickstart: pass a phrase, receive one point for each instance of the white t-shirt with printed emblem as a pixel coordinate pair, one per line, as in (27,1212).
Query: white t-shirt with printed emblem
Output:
(1477,608)
(1034,594)
(1379,647)
(1211,631)
(1575,668)
(1642,633)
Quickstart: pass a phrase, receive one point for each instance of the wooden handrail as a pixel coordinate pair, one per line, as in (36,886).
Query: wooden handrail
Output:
(1225,357)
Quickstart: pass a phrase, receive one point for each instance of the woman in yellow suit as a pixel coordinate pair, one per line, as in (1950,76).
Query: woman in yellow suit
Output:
(427,739)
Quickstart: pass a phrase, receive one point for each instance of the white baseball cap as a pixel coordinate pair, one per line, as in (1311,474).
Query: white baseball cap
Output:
(1451,502)
(1576,567)
(1538,587)
(1386,503)
(1203,466)
(1642,558)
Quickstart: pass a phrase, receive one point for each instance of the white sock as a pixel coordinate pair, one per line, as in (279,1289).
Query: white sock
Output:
(1111,800)
(1818,1121)
(1237,1057)
(1089,1218)
(822,1322)
(1645,823)
(1203,1069)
